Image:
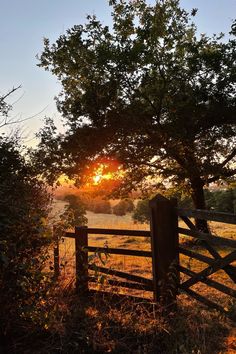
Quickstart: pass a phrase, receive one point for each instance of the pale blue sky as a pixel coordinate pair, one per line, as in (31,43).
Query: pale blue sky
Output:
(24,23)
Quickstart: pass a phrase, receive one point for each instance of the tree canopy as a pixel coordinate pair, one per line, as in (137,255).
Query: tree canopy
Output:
(149,91)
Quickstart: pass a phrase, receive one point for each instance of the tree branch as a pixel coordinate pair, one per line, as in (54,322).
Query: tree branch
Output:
(9,93)
(231,155)
(226,174)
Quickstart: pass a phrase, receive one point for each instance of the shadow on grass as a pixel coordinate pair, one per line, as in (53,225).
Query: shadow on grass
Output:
(106,323)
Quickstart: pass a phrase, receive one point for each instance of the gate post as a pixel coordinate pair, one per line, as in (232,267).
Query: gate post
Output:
(164,244)
(81,259)
(56,253)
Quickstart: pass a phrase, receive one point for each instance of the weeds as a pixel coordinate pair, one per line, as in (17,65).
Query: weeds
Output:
(108,323)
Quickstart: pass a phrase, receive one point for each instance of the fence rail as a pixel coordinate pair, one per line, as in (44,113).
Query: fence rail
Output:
(215,262)
(120,251)
(212,239)
(165,252)
(82,266)
(226,218)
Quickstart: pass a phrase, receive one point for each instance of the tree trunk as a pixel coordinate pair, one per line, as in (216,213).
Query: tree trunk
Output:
(198,198)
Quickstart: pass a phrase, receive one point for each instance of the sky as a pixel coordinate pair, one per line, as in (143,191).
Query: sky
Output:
(24,24)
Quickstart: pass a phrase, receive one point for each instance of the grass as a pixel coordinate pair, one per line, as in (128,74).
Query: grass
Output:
(115,324)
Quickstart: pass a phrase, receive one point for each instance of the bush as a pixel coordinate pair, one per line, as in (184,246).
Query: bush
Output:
(124,206)
(24,237)
(221,200)
(101,206)
(142,213)
(75,211)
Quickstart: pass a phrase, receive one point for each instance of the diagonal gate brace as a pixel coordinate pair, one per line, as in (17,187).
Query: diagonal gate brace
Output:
(217,265)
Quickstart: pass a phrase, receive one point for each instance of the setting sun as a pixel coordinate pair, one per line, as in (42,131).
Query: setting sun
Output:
(99,177)
(101,174)
(105,171)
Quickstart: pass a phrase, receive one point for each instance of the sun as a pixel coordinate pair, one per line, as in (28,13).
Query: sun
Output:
(104,172)
(97,179)
(101,176)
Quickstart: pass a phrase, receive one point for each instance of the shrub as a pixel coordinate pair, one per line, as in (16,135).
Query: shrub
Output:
(124,206)
(75,211)
(141,213)
(101,206)
(24,237)
(221,200)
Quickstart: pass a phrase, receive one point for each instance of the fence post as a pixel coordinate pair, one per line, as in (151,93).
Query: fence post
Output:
(164,244)
(56,254)
(81,259)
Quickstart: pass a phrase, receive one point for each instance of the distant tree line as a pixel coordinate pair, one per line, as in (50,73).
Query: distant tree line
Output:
(218,200)
(97,204)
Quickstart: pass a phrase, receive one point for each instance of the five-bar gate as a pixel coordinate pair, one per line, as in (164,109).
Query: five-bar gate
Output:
(166,251)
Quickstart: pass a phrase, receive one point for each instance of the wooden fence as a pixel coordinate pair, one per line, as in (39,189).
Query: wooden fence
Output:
(165,253)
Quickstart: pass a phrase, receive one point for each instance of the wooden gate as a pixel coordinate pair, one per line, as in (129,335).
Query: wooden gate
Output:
(214,260)
(166,251)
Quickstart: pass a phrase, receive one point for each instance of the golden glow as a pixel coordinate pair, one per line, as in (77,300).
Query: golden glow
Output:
(103,172)
(100,176)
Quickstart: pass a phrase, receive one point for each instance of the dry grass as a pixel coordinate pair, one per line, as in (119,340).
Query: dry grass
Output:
(115,324)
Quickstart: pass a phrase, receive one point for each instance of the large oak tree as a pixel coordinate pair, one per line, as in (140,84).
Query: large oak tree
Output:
(150,91)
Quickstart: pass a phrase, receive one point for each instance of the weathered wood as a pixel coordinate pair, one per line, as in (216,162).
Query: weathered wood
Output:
(120,274)
(56,256)
(202,299)
(198,256)
(56,261)
(119,251)
(208,215)
(81,259)
(112,232)
(215,240)
(217,265)
(120,232)
(164,242)
(188,222)
(229,269)
(70,234)
(165,254)
(124,284)
(212,283)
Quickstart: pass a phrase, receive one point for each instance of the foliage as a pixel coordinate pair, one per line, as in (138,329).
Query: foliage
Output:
(24,239)
(124,206)
(77,208)
(95,202)
(101,206)
(157,96)
(222,200)
(219,200)
(142,212)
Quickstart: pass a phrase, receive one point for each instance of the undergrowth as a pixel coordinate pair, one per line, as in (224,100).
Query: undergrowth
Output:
(107,323)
